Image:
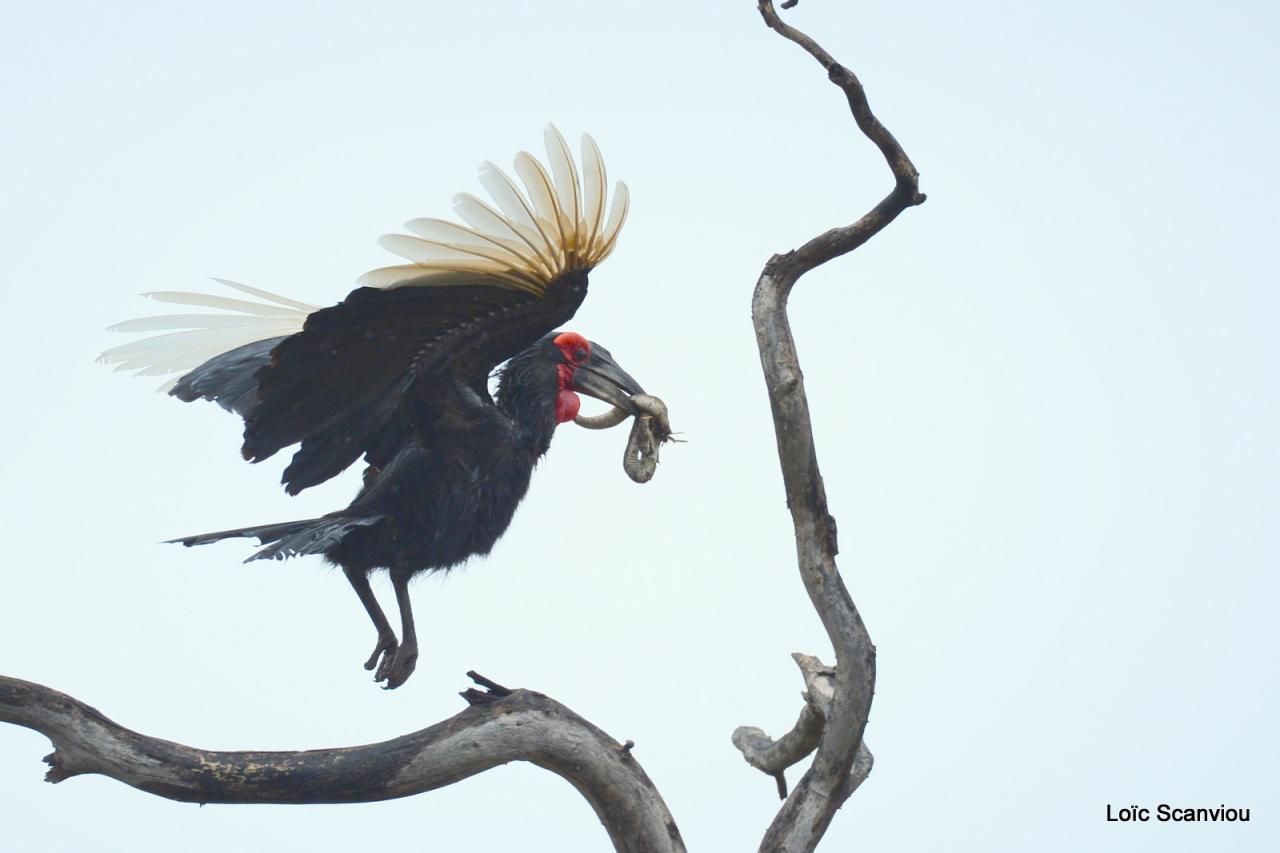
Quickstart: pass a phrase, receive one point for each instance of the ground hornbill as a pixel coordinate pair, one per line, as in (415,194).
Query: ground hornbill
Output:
(398,372)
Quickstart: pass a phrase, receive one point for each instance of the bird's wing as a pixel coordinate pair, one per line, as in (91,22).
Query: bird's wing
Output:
(191,341)
(335,386)
(471,296)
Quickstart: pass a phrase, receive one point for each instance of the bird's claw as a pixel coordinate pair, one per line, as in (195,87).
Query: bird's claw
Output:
(385,649)
(397,666)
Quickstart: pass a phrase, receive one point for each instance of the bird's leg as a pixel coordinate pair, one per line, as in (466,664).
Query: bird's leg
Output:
(386,637)
(396,669)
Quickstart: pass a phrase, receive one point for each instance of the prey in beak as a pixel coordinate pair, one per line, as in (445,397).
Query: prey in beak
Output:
(588,368)
(601,377)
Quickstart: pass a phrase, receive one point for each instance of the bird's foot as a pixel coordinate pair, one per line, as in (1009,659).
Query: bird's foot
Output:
(397,666)
(386,649)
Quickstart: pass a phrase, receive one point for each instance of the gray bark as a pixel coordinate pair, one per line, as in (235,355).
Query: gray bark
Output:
(500,726)
(834,730)
(503,725)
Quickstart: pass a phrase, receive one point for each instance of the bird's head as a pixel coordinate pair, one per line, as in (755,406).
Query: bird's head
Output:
(539,388)
(583,366)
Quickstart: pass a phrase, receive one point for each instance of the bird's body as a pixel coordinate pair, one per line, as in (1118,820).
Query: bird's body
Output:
(398,373)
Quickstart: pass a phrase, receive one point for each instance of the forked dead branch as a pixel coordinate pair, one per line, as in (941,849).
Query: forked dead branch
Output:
(841,762)
(501,725)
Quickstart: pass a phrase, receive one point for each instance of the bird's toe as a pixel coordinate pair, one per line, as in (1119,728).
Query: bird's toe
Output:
(401,666)
(385,650)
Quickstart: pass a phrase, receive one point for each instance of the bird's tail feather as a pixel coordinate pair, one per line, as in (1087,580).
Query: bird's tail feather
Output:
(291,538)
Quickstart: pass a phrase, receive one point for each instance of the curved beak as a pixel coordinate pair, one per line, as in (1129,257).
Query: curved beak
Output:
(602,378)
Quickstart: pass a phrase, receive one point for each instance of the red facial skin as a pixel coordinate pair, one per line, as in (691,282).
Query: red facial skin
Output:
(567,405)
(577,350)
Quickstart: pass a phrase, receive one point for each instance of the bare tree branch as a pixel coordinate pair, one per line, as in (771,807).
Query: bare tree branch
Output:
(906,191)
(775,756)
(504,725)
(841,761)
(500,726)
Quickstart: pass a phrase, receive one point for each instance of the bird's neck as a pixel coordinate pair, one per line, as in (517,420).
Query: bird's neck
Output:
(530,400)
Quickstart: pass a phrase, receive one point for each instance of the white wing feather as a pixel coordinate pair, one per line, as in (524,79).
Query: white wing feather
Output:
(555,224)
(594,188)
(568,194)
(267,295)
(204,336)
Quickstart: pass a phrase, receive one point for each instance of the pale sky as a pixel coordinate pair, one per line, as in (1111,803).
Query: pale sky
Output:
(1045,408)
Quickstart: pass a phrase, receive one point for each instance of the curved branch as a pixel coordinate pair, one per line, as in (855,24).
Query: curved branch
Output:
(906,191)
(841,762)
(775,756)
(500,726)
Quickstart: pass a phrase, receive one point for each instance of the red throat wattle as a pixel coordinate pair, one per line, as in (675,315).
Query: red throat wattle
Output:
(567,405)
(577,350)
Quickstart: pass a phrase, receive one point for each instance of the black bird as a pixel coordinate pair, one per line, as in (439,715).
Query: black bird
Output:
(398,373)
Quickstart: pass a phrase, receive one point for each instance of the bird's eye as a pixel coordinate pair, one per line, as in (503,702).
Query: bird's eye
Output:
(580,354)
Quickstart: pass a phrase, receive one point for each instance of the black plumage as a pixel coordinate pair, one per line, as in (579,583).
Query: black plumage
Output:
(398,374)
(335,387)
